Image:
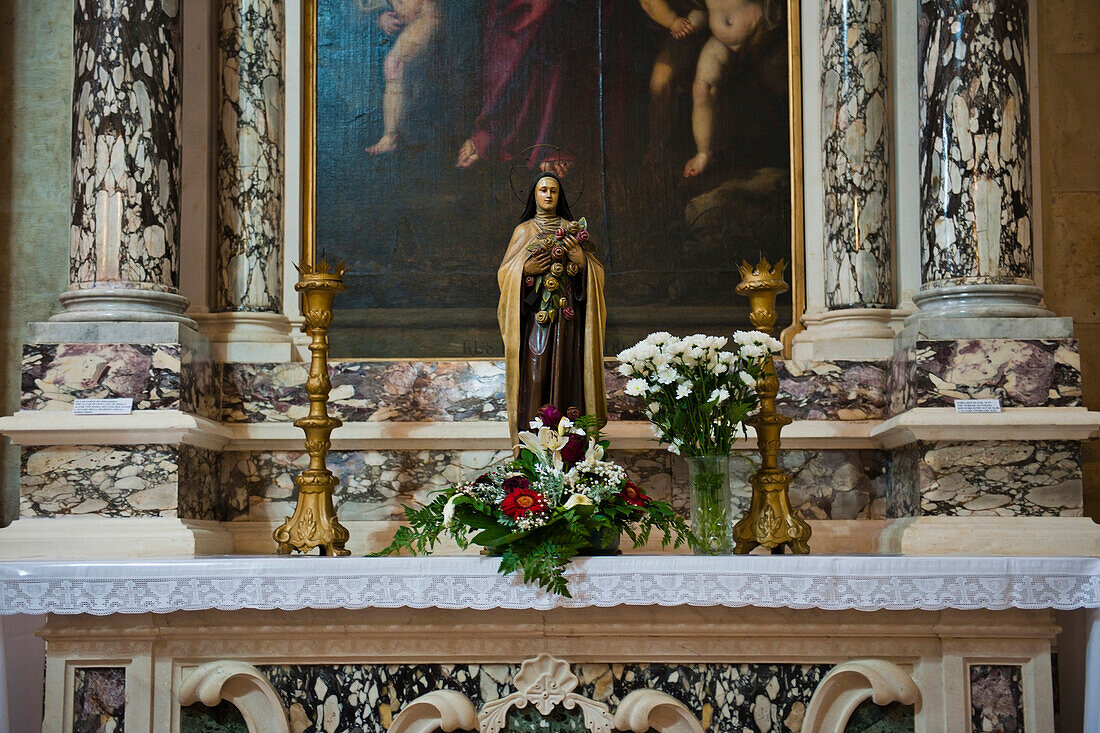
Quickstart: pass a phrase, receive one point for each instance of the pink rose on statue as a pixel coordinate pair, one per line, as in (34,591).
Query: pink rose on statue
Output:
(582,236)
(529,281)
(568,313)
(560,234)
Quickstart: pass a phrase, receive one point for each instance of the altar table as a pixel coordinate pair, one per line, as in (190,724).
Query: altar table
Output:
(941,624)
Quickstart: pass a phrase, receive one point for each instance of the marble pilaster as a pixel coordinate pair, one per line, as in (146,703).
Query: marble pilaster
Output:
(975,160)
(246,323)
(855,134)
(124,257)
(250,156)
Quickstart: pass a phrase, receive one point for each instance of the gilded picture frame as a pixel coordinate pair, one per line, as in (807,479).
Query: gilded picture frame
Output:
(352,329)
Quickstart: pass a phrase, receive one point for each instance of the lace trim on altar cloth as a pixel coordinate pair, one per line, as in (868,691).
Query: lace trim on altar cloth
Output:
(866,583)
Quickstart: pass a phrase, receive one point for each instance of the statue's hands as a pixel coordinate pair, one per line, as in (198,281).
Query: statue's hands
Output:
(574,250)
(537,263)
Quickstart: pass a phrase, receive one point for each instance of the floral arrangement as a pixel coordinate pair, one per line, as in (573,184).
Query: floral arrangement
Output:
(555,501)
(551,287)
(697,394)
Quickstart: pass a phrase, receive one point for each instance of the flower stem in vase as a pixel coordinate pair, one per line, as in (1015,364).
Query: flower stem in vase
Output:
(711,505)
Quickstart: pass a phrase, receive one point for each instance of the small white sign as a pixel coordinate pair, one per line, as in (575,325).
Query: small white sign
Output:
(112,406)
(991,405)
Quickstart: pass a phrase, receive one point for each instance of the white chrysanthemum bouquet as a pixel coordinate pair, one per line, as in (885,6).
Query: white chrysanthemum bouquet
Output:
(697,392)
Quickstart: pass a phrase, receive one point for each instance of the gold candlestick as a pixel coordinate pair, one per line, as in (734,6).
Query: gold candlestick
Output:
(770,521)
(314,523)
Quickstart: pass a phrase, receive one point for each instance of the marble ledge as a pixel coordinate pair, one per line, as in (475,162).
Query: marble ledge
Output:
(929,424)
(173,427)
(162,427)
(94,536)
(73,537)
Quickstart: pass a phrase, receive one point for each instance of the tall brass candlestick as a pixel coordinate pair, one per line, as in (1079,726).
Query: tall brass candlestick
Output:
(314,523)
(770,521)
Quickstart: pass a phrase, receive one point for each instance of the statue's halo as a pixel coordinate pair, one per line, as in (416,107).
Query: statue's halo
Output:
(519,173)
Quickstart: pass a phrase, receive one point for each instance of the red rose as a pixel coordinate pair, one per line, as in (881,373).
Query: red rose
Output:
(550,416)
(522,502)
(529,281)
(557,253)
(632,495)
(582,236)
(514,483)
(574,448)
(560,234)
(567,313)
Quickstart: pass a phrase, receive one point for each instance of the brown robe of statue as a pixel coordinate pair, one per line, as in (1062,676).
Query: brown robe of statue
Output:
(560,363)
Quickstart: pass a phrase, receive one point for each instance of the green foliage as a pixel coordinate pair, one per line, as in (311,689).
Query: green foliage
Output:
(542,554)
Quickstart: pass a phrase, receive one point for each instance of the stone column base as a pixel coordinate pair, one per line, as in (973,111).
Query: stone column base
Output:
(248,337)
(123,304)
(852,334)
(980,300)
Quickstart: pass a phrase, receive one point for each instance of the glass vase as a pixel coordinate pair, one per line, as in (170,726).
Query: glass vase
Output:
(711,504)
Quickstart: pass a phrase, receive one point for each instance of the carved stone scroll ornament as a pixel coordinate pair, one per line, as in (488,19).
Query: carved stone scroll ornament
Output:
(545,682)
(850,684)
(243,686)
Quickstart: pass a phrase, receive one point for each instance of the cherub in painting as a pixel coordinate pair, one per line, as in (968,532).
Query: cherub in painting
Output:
(416,25)
(685,21)
(742,32)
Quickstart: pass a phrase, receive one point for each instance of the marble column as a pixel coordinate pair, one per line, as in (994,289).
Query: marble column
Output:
(247,322)
(248,274)
(855,133)
(975,166)
(124,254)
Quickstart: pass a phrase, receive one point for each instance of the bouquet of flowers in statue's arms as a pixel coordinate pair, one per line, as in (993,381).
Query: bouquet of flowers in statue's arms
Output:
(697,393)
(557,500)
(550,288)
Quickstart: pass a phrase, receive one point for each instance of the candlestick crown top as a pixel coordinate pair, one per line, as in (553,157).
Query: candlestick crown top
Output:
(762,276)
(322,269)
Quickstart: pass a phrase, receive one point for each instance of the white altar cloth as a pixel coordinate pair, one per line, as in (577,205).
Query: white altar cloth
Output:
(828,582)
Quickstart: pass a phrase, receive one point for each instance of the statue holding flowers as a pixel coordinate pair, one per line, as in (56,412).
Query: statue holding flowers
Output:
(551,312)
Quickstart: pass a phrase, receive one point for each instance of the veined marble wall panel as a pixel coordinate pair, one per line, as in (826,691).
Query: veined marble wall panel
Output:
(842,484)
(989,478)
(250,156)
(123,481)
(975,142)
(414,391)
(1032,373)
(855,135)
(725,698)
(997,697)
(99,699)
(126,145)
(410,391)
(156,376)
(832,390)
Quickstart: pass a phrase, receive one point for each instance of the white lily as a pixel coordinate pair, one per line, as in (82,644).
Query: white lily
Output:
(449,512)
(563,425)
(546,445)
(578,500)
(594,452)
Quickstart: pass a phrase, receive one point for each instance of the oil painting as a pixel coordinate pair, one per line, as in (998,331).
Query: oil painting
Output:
(669,121)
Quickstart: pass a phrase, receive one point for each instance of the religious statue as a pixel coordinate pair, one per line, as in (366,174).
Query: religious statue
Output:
(551,312)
